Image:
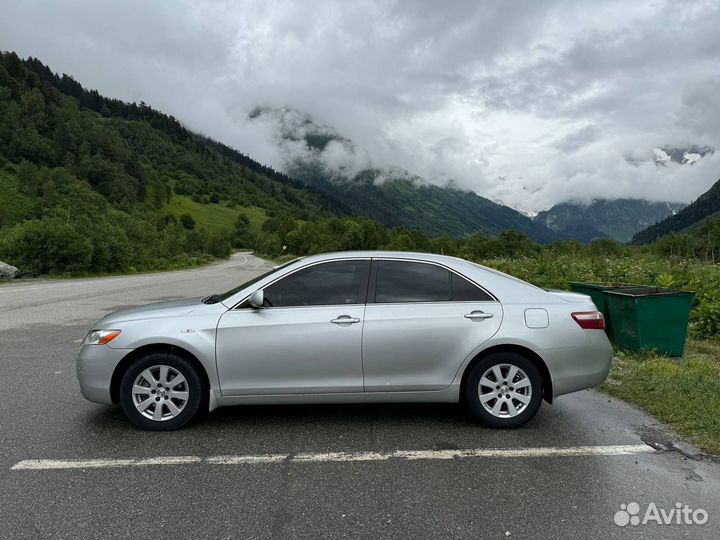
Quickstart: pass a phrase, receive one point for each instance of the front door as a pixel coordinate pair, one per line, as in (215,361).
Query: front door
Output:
(306,340)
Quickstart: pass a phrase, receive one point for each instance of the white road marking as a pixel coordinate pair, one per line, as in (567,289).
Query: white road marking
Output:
(539,452)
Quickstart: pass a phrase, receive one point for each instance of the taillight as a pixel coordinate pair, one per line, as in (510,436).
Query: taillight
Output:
(589,320)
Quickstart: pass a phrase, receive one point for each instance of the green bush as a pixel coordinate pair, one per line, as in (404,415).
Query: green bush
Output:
(218,244)
(46,246)
(187,221)
(705,318)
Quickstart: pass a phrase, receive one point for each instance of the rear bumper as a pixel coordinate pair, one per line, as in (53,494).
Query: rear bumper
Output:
(579,368)
(94,368)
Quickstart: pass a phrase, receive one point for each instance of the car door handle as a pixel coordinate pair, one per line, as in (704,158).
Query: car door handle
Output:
(345,319)
(478,315)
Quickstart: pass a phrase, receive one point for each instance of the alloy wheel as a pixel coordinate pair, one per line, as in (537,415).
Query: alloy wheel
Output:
(504,390)
(160,393)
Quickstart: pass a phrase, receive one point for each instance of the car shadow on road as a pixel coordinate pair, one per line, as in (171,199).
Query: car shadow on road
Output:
(345,427)
(337,415)
(342,414)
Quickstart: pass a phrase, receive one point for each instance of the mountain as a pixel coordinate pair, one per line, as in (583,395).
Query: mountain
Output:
(683,155)
(704,206)
(618,219)
(89,183)
(325,160)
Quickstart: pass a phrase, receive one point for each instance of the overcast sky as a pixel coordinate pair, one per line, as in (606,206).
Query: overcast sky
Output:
(530,102)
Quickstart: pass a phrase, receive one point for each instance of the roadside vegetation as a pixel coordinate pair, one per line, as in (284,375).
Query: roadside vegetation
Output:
(682,392)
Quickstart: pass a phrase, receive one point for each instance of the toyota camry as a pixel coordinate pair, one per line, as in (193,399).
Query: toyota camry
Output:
(350,327)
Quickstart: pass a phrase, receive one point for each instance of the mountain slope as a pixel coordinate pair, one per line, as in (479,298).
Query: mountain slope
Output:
(618,219)
(401,202)
(320,157)
(127,149)
(706,205)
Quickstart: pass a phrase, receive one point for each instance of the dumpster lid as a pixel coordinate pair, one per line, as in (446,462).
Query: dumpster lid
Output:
(648,291)
(606,285)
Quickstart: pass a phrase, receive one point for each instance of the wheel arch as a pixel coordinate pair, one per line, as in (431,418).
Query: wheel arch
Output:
(133,355)
(531,355)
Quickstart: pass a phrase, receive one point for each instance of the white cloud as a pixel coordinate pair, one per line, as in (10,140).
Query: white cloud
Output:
(531,102)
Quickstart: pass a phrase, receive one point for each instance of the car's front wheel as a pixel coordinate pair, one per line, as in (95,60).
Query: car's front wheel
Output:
(504,390)
(161,391)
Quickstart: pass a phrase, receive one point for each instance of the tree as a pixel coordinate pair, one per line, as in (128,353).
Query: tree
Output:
(511,243)
(187,221)
(218,244)
(604,247)
(29,178)
(243,237)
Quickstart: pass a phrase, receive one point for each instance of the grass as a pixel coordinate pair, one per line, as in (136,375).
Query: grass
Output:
(214,216)
(684,392)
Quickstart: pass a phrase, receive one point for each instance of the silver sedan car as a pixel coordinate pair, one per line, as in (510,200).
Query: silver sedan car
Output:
(350,327)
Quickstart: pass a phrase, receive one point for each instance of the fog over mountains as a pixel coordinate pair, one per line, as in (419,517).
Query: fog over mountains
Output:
(319,156)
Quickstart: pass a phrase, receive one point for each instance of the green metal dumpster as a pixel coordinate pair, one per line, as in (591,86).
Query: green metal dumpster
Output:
(595,291)
(647,318)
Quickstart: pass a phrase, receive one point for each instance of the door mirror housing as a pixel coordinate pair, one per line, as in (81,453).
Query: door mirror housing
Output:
(257,299)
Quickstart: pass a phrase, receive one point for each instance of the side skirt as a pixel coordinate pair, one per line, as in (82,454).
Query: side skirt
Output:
(451,394)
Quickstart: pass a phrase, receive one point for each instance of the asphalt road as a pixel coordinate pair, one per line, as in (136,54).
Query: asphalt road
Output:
(551,494)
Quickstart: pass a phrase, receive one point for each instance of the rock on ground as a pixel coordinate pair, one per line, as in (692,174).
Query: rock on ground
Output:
(7,271)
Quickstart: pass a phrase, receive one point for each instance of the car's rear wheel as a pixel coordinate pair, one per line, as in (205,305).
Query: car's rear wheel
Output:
(504,390)
(161,391)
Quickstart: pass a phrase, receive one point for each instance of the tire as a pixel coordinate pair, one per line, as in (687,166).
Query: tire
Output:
(500,407)
(178,401)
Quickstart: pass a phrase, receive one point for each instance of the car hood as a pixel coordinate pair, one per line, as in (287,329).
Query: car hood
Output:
(174,308)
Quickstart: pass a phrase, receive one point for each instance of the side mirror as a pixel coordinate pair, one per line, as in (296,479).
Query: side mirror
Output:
(257,299)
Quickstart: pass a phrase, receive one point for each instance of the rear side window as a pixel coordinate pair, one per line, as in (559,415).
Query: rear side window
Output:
(326,284)
(464,291)
(400,281)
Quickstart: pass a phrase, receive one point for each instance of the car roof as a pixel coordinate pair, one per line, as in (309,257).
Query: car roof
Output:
(385,254)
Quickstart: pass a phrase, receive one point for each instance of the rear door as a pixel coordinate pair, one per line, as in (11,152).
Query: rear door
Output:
(421,322)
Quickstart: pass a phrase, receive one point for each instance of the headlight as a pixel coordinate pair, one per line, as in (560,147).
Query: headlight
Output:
(101,337)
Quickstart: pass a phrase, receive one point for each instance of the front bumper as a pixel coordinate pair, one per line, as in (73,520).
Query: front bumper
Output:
(94,367)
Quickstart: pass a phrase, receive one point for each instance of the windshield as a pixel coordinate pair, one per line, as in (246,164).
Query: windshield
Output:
(223,296)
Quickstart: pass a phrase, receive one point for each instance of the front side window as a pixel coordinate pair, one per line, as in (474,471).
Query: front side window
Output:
(325,284)
(231,292)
